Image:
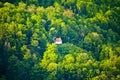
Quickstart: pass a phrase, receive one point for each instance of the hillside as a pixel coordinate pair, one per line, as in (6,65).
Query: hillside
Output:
(89,31)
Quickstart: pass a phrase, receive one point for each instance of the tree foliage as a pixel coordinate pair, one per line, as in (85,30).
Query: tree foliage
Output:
(89,29)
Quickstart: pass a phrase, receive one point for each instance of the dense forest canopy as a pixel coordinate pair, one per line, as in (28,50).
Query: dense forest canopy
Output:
(90,33)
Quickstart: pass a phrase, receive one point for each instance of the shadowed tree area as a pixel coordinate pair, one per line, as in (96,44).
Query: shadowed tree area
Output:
(59,40)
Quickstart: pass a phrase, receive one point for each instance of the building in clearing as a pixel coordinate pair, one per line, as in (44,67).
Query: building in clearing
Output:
(58,40)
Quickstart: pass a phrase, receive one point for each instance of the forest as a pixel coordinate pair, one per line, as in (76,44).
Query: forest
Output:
(89,31)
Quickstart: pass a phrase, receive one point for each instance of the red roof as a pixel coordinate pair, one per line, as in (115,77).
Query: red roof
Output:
(58,40)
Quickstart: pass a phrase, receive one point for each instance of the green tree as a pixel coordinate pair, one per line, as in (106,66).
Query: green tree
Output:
(106,52)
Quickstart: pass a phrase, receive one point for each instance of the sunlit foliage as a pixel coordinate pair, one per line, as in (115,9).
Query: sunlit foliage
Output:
(89,29)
